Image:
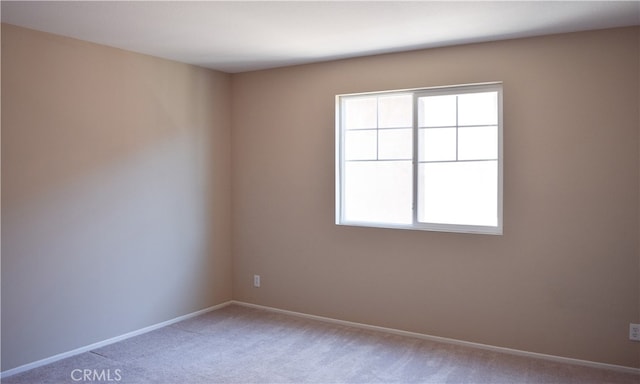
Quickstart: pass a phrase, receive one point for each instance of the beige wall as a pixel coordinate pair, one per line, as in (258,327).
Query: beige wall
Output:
(564,277)
(115,192)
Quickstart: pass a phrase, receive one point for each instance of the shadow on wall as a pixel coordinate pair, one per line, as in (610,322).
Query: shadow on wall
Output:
(110,198)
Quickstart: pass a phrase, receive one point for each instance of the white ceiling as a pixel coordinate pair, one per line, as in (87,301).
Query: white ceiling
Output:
(238,36)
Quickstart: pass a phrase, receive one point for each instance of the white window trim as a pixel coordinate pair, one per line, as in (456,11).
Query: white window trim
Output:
(416,225)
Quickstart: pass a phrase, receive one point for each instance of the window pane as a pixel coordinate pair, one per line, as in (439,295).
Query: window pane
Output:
(378,191)
(395,144)
(478,143)
(437,111)
(478,108)
(361,113)
(437,144)
(464,193)
(449,178)
(395,111)
(360,145)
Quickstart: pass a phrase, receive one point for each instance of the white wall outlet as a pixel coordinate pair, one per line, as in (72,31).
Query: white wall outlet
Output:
(256,281)
(634,332)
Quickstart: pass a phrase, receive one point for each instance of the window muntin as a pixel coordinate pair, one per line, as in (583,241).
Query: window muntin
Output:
(421,159)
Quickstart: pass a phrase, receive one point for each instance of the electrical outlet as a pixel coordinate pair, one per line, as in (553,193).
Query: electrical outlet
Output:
(256,281)
(634,332)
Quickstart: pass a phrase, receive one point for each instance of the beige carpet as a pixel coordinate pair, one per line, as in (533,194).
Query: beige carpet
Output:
(244,345)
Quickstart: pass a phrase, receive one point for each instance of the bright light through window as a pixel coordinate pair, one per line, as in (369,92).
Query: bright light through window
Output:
(422,159)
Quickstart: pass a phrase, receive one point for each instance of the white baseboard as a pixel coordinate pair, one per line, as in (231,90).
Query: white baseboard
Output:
(559,359)
(90,347)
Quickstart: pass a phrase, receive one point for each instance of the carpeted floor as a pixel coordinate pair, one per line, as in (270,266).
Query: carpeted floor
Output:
(245,345)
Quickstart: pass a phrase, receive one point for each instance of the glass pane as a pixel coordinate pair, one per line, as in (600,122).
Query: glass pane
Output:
(395,144)
(478,143)
(378,191)
(360,113)
(437,144)
(360,145)
(458,193)
(395,111)
(437,111)
(478,108)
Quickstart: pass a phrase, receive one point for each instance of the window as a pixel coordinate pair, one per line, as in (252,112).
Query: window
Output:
(427,159)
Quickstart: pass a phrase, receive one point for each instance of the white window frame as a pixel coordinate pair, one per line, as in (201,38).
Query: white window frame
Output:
(416,225)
